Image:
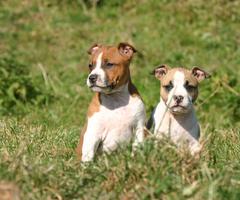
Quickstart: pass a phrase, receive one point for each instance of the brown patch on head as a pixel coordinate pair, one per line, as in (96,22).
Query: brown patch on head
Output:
(115,62)
(191,84)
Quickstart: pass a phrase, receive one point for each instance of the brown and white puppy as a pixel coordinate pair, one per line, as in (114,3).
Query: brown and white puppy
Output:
(174,115)
(117,110)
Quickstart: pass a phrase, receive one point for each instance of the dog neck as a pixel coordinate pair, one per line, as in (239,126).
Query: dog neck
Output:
(117,99)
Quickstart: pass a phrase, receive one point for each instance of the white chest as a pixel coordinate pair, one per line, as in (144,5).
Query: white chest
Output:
(185,129)
(116,121)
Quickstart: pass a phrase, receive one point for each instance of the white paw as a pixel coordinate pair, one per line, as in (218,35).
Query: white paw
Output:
(195,148)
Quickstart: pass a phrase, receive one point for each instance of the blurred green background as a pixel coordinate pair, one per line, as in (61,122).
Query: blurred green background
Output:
(44,97)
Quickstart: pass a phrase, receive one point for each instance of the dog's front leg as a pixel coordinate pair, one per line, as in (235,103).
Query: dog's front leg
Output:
(91,140)
(139,135)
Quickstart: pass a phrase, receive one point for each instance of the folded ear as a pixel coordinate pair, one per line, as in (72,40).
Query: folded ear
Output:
(200,74)
(126,49)
(93,48)
(160,71)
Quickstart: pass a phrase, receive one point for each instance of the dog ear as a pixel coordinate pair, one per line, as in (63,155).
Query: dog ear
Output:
(93,49)
(200,74)
(160,71)
(126,49)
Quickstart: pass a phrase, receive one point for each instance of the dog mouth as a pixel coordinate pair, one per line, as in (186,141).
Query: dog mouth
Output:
(98,88)
(179,106)
(179,109)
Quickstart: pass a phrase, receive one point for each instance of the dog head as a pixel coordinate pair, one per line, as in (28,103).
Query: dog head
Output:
(109,67)
(179,86)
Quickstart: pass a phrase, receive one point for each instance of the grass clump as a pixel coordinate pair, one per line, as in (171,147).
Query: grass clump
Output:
(18,87)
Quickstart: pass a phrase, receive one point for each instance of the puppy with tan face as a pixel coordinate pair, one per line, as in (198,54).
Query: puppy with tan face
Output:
(174,116)
(116,114)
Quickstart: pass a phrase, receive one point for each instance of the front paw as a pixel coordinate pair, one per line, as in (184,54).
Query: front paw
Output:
(195,149)
(87,158)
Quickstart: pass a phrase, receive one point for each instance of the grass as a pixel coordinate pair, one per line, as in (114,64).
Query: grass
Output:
(43,106)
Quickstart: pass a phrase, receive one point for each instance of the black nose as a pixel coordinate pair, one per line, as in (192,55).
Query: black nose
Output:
(93,78)
(178,98)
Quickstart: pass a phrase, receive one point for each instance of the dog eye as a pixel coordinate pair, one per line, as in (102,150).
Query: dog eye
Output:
(169,86)
(109,65)
(189,87)
(90,65)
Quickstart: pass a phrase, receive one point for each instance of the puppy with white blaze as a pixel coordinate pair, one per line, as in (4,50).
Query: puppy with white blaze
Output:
(174,116)
(116,113)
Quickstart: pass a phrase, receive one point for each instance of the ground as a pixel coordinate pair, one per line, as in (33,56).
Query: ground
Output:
(44,97)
